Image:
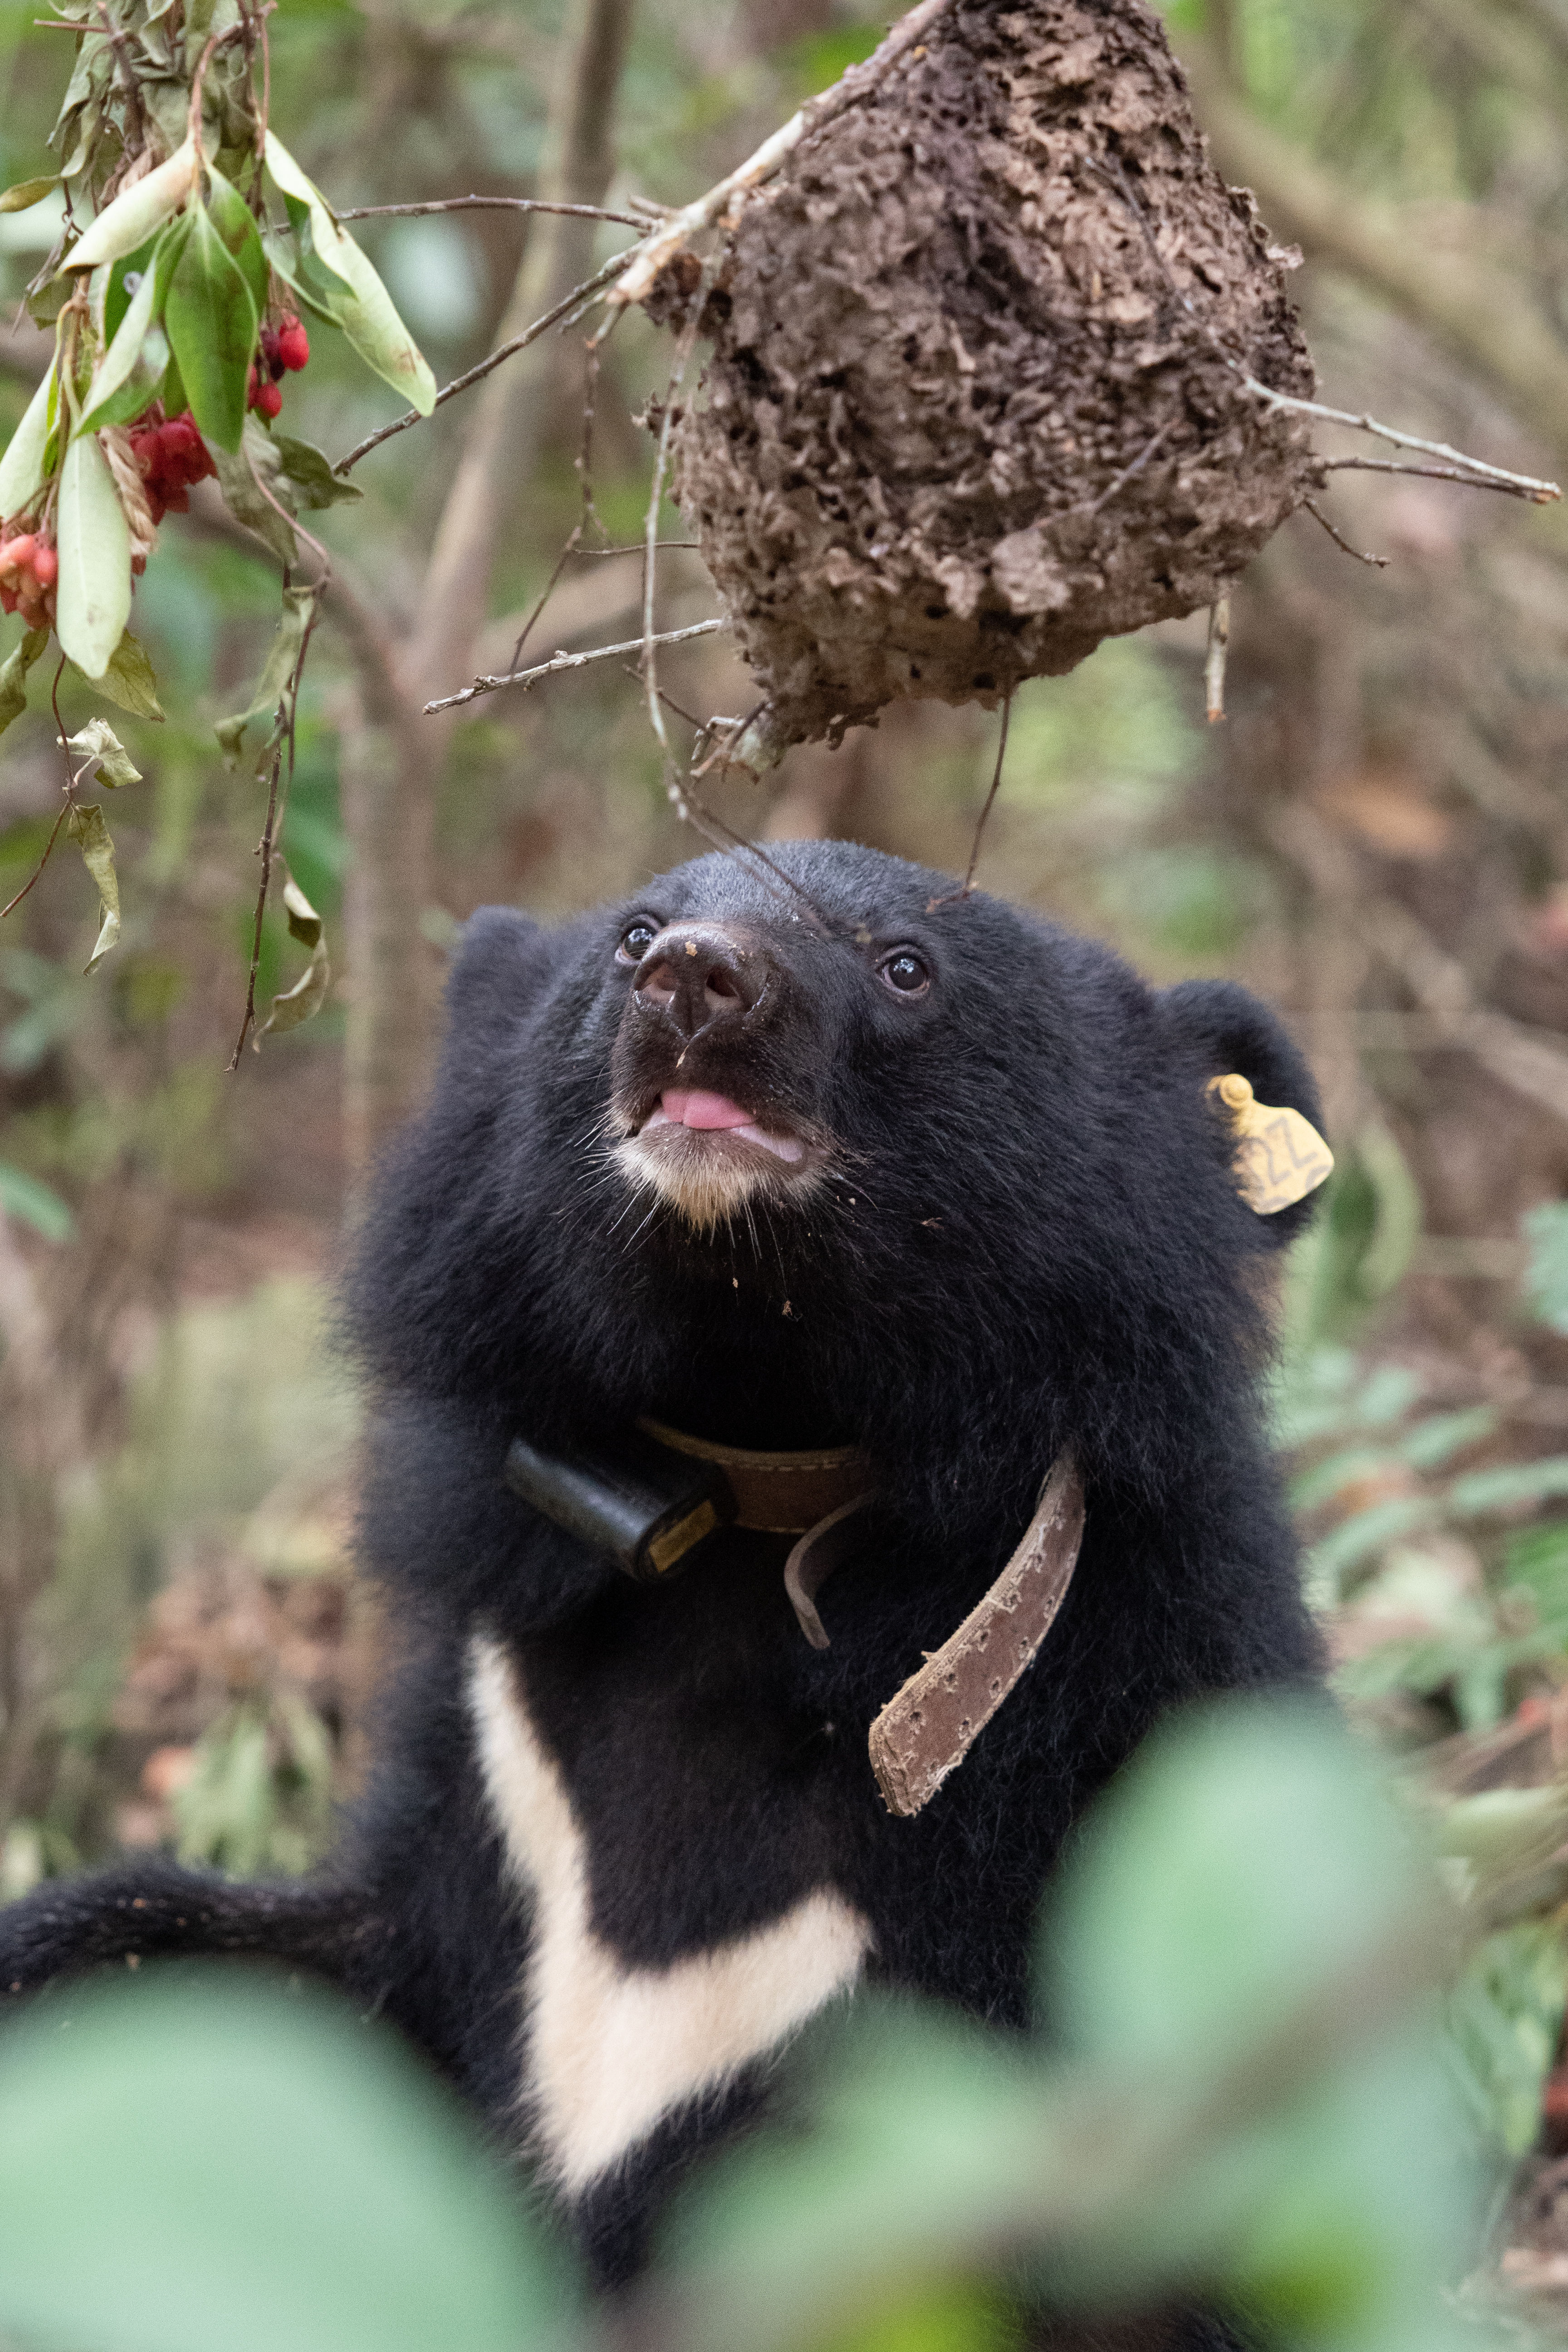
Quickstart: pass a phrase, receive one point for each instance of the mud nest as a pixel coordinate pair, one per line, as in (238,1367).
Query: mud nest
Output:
(968,410)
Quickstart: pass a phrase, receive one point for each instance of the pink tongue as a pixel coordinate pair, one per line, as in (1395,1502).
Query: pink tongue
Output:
(701,1110)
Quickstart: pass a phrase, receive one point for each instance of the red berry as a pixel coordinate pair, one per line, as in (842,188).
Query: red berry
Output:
(268,399)
(293,345)
(45,566)
(17,554)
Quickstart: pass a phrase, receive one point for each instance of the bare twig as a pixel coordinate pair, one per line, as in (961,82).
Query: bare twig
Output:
(264,849)
(1519,486)
(27,885)
(137,126)
(952,897)
(1215,659)
(506,351)
(282,748)
(493,204)
(1427,473)
(527,677)
(1128,472)
(1378,563)
(858,82)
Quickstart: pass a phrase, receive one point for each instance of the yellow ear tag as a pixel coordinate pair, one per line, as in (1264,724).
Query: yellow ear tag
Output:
(1279,1156)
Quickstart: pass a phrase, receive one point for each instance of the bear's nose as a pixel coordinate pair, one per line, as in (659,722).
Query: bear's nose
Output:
(699,973)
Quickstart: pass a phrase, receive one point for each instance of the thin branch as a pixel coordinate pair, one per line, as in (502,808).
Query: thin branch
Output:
(283,745)
(527,677)
(27,885)
(1497,477)
(1427,473)
(952,897)
(1215,660)
(137,125)
(1378,563)
(493,204)
(857,83)
(1128,472)
(264,849)
(589,286)
(548,589)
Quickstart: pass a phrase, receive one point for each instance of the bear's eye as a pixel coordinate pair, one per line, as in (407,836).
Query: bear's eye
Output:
(635,940)
(905,972)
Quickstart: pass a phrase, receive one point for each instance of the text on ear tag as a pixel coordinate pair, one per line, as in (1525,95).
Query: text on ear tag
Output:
(1279,1156)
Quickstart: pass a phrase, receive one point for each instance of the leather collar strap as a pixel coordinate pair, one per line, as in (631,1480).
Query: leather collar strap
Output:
(928,1728)
(779,1493)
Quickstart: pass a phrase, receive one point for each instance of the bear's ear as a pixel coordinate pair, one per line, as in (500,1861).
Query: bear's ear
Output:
(1227,1032)
(502,960)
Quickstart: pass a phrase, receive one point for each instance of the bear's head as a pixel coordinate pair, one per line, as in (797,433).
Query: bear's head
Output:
(829,1154)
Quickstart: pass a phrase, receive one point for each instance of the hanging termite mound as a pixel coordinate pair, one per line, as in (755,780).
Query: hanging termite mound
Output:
(974,397)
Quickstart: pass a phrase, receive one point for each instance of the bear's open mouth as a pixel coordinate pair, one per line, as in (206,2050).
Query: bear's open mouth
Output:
(707,1155)
(700,1113)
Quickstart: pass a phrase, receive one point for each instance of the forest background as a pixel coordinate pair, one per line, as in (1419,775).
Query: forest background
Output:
(1376,837)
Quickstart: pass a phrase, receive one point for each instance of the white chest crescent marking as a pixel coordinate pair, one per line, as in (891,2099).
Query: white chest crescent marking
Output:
(611,2048)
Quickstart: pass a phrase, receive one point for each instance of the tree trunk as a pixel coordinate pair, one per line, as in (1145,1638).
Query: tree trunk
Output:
(392,757)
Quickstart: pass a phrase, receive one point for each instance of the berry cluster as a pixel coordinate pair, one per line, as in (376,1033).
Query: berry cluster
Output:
(170,454)
(285,349)
(29,570)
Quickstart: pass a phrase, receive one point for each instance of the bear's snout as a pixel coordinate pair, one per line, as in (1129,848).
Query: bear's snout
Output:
(697,974)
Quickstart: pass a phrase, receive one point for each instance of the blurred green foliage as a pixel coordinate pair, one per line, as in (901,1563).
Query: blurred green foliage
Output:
(1240,2097)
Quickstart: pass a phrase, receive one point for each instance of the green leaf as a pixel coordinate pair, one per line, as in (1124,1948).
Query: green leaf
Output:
(136,212)
(295,263)
(1503,1489)
(94,542)
(211,323)
(117,295)
(1546,1282)
(21,467)
(115,394)
(1245,1853)
(99,743)
(301,1003)
(87,828)
(1505,2015)
(305,998)
(210,2162)
(273,684)
(13,675)
(32,1203)
(238,476)
(367,315)
(310,475)
(235,224)
(1359,1536)
(28,192)
(129,680)
(304,923)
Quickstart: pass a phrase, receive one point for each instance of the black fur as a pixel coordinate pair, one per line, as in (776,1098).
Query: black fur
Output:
(1027,1235)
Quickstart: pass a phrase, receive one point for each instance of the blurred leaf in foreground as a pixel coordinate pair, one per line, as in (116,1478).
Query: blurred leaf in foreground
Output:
(208,2166)
(1245,2106)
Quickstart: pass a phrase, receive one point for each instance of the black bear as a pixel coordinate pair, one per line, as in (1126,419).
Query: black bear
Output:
(796,1216)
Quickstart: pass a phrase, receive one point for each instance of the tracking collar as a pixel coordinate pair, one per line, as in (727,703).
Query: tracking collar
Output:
(653,1501)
